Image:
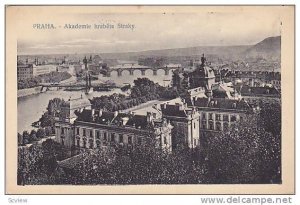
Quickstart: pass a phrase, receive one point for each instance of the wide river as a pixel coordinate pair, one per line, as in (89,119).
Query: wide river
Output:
(31,108)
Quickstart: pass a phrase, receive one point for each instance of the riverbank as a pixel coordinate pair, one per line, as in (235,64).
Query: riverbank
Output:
(29,91)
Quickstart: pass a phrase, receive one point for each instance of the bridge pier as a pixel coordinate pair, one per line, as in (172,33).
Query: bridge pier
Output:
(131,72)
(154,72)
(119,72)
(143,72)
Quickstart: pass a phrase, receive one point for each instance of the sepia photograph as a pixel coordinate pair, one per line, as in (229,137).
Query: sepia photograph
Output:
(147,99)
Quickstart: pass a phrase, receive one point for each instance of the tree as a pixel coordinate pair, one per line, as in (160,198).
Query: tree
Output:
(32,137)
(246,153)
(48,131)
(25,137)
(20,139)
(40,133)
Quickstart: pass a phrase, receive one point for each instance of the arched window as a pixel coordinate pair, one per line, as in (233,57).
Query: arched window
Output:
(98,143)
(211,125)
(84,143)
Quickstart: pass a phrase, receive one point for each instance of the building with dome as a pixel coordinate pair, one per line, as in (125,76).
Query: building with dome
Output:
(202,76)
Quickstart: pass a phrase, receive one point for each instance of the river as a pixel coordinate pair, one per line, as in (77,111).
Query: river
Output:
(31,108)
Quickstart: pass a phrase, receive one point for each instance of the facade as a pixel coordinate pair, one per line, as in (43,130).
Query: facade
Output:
(24,71)
(218,114)
(186,124)
(97,129)
(43,69)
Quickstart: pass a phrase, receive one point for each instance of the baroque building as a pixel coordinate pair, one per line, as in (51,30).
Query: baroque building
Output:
(84,128)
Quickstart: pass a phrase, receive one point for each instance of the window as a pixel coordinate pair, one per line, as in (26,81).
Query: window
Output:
(210,116)
(203,115)
(84,132)
(91,133)
(129,140)
(225,126)
(84,143)
(203,124)
(194,125)
(91,142)
(218,117)
(97,134)
(211,125)
(98,143)
(225,118)
(139,140)
(78,142)
(62,131)
(77,130)
(105,136)
(218,126)
(233,118)
(165,140)
(62,142)
(112,137)
(120,138)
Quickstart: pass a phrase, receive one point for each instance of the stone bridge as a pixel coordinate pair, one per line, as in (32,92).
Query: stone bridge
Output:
(143,69)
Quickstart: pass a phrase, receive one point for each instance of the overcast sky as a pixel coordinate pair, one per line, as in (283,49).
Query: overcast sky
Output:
(152,31)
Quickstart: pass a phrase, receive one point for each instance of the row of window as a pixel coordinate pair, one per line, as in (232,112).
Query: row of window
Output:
(218,117)
(105,143)
(211,126)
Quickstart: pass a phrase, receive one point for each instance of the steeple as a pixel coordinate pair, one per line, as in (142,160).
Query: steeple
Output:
(85,62)
(203,60)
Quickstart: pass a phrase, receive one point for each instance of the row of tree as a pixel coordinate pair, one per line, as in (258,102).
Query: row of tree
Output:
(44,78)
(37,164)
(142,91)
(27,138)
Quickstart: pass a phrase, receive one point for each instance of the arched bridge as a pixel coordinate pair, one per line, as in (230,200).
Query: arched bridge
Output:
(131,68)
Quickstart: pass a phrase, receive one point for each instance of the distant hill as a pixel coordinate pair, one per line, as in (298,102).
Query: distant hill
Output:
(269,48)
(220,51)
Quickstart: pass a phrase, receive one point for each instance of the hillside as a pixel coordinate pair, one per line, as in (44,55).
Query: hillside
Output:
(269,48)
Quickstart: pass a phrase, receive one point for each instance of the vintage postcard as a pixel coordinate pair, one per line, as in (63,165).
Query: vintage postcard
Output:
(150,99)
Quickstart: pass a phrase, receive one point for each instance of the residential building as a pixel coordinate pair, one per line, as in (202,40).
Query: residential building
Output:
(186,124)
(24,71)
(85,128)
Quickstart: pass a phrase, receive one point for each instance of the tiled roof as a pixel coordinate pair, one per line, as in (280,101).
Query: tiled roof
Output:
(118,119)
